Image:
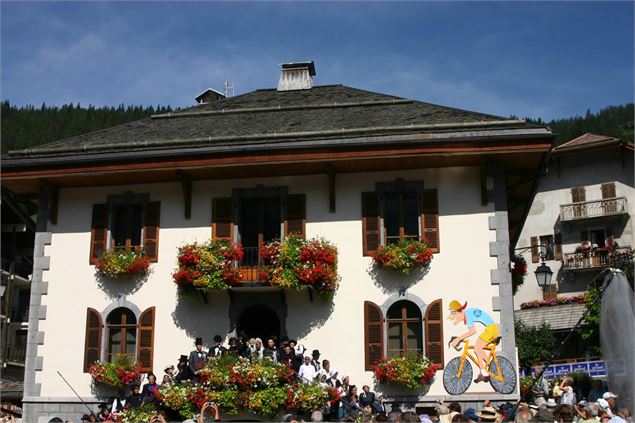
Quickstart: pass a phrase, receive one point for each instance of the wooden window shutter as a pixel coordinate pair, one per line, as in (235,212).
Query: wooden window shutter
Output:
(557,240)
(295,220)
(434,333)
(92,342)
(550,293)
(535,256)
(430,218)
(99,232)
(222,219)
(608,190)
(370,222)
(145,339)
(578,194)
(373,334)
(151,221)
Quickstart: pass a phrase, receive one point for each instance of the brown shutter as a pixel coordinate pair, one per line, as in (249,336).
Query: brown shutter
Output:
(578,194)
(370,222)
(92,342)
(373,334)
(535,241)
(295,221)
(222,219)
(550,293)
(151,223)
(99,232)
(558,246)
(430,218)
(608,190)
(434,333)
(145,341)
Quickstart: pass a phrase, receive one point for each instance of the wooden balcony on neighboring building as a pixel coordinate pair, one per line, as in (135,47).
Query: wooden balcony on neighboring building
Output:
(592,209)
(596,258)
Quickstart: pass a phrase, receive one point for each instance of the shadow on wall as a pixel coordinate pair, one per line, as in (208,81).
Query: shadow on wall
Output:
(392,281)
(116,287)
(305,316)
(202,320)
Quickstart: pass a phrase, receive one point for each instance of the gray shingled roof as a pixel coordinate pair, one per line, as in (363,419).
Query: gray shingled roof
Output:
(268,112)
(559,317)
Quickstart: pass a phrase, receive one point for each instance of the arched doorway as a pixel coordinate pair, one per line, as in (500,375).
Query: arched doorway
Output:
(259,321)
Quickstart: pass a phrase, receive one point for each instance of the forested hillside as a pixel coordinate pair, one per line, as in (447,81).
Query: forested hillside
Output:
(616,121)
(24,127)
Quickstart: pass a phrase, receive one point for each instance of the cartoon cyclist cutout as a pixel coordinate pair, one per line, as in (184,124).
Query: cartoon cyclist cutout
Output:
(469,316)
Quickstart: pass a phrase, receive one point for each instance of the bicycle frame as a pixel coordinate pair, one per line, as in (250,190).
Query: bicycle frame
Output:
(490,356)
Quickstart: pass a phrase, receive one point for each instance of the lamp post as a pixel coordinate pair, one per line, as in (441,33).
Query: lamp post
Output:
(543,272)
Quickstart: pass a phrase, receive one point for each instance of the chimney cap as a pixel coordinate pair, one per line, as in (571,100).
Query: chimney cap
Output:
(300,65)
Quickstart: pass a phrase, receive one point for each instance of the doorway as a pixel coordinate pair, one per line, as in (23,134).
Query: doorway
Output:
(259,321)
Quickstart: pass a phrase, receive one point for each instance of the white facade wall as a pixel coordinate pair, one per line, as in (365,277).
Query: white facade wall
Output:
(460,271)
(590,169)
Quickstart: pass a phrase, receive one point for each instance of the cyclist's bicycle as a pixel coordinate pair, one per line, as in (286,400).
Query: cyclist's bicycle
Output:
(457,374)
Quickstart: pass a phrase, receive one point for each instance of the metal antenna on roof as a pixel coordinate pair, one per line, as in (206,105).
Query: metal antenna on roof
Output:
(228,87)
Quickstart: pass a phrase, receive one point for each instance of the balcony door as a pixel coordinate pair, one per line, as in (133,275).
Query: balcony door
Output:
(260,222)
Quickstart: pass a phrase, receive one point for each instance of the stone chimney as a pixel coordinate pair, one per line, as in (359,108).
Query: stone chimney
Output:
(296,76)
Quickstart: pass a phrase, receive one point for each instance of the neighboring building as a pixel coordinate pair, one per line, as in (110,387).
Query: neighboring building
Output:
(18,232)
(351,166)
(584,200)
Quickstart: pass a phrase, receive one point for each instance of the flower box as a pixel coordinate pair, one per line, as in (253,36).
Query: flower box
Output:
(295,262)
(208,266)
(518,272)
(123,372)
(579,299)
(404,256)
(411,371)
(123,262)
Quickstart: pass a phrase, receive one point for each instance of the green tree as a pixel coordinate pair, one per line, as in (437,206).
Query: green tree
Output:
(535,344)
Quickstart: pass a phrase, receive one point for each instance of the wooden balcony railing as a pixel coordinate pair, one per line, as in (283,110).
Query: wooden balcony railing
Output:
(251,265)
(15,355)
(596,258)
(593,208)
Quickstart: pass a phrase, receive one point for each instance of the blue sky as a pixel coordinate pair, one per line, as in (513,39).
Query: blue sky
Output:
(536,59)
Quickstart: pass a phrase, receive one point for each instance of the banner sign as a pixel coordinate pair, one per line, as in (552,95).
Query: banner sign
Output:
(593,368)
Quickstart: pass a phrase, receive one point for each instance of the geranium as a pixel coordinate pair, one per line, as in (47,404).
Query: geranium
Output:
(295,262)
(306,397)
(208,266)
(141,414)
(518,272)
(579,299)
(177,397)
(526,383)
(267,401)
(403,256)
(412,371)
(120,373)
(121,262)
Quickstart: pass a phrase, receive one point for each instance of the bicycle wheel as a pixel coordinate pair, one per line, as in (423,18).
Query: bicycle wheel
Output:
(451,382)
(508,372)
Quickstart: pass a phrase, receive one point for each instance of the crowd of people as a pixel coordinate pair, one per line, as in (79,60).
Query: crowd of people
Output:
(557,403)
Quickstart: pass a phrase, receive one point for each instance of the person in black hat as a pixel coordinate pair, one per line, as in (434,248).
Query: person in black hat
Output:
(198,357)
(316,360)
(183,371)
(217,349)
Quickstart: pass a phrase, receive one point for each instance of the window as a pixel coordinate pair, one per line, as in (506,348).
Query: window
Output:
(123,224)
(548,249)
(598,238)
(259,222)
(405,333)
(402,331)
(124,334)
(121,336)
(399,211)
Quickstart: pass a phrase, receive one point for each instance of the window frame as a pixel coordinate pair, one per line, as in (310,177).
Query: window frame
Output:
(549,241)
(129,200)
(123,328)
(403,321)
(401,187)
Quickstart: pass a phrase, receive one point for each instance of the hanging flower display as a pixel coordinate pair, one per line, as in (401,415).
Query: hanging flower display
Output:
(411,371)
(122,262)
(518,272)
(122,372)
(236,385)
(295,262)
(209,265)
(404,256)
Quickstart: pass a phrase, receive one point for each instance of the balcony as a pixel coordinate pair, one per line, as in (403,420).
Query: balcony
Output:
(250,266)
(593,209)
(596,258)
(15,355)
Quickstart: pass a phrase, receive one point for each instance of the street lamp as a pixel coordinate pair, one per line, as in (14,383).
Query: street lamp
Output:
(543,275)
